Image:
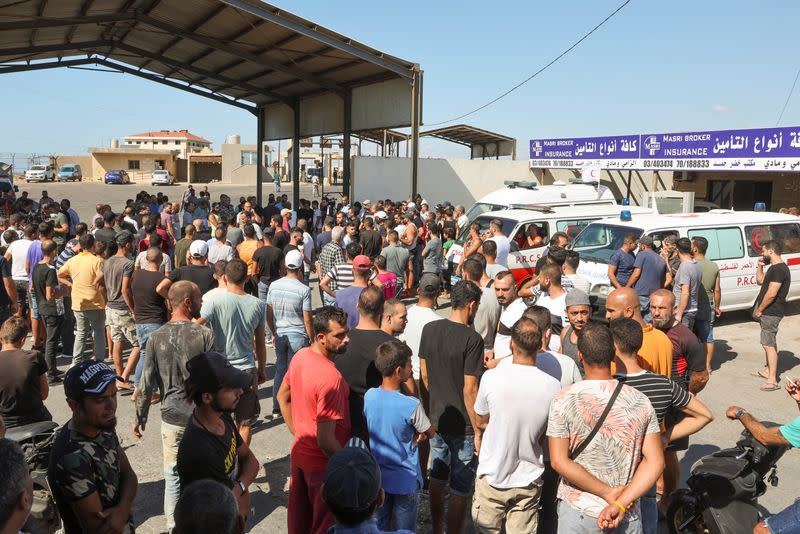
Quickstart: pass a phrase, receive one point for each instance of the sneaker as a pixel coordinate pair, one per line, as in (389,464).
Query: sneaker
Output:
(269,343)
(53,380)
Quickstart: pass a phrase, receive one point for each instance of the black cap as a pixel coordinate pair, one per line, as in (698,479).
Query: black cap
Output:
(211,371)
(88,378)
(352,478)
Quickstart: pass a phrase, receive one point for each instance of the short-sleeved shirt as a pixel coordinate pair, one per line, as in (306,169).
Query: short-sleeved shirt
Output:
(219,252)
(341,276)
(84,269)
(624,262)
(776,273)
(709,272)
(432,262)
(148,306)
(503,248)
(663,393)
(488,316)
(268,260)
(791,432)
(389,281)
(688,274)
(319,394)
(141,262)
(656,350)
(203,455)
(347,299)
(289,298)
(688,354)
(371,241)
(234,319)
(418,317)
(114,270)
(396,259)
(80,466)
(5,272)
(181,248)
(451,350)
(394,420)
(508,318)
(20,393)
(202,275)
(44,276)
(653,272)
(19,254)
(616,450)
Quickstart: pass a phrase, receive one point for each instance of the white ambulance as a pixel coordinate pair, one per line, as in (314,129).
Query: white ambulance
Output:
(545,221)
(558,194)
(734,238)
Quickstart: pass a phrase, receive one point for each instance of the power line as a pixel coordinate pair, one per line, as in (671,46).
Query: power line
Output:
(535,74)
(788,98)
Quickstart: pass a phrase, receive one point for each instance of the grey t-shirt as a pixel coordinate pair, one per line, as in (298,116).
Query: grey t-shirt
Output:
(289,298)
(488,315)
(234,318)
(115,269)
(688,274)
(396,259)
(432,262)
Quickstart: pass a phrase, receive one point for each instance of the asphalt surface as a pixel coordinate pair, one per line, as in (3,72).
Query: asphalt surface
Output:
(738,352)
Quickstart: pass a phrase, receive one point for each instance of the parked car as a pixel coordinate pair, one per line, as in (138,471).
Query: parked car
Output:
(40,173)
(116,177)
(69,173)
(162,177)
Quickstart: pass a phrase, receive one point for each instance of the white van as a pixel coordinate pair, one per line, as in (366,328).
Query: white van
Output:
(517,194)
(546,220)
(734,238)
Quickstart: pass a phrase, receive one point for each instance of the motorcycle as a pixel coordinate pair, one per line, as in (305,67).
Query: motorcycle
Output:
(724,488)
(36,441)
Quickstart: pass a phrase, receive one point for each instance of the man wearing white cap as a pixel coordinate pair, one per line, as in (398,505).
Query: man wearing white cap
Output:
(197,271)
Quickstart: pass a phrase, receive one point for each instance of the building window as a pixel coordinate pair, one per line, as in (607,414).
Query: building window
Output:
(177,142)
(164,142)
(249,157)
(138,142)
(160,164)
(133,164)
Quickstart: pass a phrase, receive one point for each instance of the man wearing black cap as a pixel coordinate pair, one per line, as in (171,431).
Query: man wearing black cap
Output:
(211,446)
(92,481)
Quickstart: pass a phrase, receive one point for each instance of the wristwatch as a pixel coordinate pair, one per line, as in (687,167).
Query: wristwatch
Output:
(738,415)
(241,485)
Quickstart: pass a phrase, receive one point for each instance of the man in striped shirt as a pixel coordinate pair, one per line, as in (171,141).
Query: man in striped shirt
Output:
(341,275)
(329,257)
(664,394)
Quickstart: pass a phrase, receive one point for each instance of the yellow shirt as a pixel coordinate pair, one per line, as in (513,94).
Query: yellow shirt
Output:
(246,249)
(84,270)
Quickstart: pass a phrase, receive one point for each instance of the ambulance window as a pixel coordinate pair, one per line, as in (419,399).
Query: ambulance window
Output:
(572,227)
(659,236)
(532,235)
(723,243)
(787,234)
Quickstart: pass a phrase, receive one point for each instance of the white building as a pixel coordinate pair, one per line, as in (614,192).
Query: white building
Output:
(180,140)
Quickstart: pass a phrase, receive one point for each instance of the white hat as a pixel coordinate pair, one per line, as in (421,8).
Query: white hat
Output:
(293,259)
(411,205)
(198,249)
(380,215)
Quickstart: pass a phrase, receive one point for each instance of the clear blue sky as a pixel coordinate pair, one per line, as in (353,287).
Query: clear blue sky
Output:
(656,67)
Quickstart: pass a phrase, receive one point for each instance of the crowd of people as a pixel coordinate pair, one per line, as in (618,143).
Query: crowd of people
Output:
(514,406)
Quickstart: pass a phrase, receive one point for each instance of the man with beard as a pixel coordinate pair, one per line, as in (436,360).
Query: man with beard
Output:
(505,289)
(168,350)
(579,312)
(92,481)
(314,403)
(211,447)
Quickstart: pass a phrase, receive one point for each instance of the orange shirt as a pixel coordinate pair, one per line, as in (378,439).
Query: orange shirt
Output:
(656,350)
(246,249)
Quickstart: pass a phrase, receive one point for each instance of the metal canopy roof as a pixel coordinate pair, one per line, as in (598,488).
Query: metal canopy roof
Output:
(482,143)
(242,52)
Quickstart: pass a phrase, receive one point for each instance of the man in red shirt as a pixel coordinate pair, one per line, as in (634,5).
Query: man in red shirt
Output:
(314,403)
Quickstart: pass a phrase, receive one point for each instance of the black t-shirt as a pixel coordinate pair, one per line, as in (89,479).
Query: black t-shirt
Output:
(20,394)
(105,234)
(372,243)
(44,276)
(281,239)
(307,214)
(776,273)
(203,455)
(450,350)
(5,272)
(148,305)
(269,211)
(268,259)
(688,354)
(357,366)
(202,275)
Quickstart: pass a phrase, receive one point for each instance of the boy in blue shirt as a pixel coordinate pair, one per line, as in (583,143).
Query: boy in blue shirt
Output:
(397,423)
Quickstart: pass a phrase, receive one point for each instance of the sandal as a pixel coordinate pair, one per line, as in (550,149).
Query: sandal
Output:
(769,387)
(758,374)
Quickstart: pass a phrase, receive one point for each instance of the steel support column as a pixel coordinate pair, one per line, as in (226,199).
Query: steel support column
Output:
(260,169)
(348,106)
(416,89)
(296,157)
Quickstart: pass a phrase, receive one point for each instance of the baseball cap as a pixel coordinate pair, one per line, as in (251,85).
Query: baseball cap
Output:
(284,211)
(352,478)
(294,259)
(211,371)
(646,240)
(88,378)
(123,238)
(411,205)
(362,262)
(198,249)
(446,204)
(576,297)
(429,282)
(380,215)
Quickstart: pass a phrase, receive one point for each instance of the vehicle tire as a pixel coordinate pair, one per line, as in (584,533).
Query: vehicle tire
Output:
(679,510)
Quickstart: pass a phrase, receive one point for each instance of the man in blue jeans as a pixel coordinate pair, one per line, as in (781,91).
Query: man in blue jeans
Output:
(288,318)
(786,521)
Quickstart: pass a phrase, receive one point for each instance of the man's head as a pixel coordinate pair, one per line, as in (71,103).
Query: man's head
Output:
(596,346)
(646,242)
(662,308)
(395,317)
(623,303)
(185,296)
(393,237)
(526,338)
(496,227)
(466,296)
(198,250)
(295,237)
(473,270)
(91,391)
(771,251)
(154,256)
(352,488)
(86,241)
(429,287)
(579,309)
(559,239)
(571,262)
(541,316)
(489,250)
(236,272)
(370,303)
(49,249)
(362,267)
(393,358)
(699,246)
(294,262)
(207,506)
(337,234)
(669,244)
(684,246)
(352,250)
(124,241)
(549,277)
(505,288)
(556,256)
(629,242)
(16,487)
(627,335)
(330,329)
(214,383)
(13,331)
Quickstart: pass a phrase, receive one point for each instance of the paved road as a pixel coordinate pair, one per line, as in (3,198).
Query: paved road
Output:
(738,353)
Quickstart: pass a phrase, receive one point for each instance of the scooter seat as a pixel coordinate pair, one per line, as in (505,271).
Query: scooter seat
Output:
(26,432)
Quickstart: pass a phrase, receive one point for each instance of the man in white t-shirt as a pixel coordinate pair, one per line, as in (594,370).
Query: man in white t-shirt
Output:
(512,408)
(419,315)
(554,299)
(17,254)
(503,243)
(505,289)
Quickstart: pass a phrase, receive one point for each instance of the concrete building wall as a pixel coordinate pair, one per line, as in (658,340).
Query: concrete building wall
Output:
(104,162)
(181,145)
(85,161)
(236,172)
